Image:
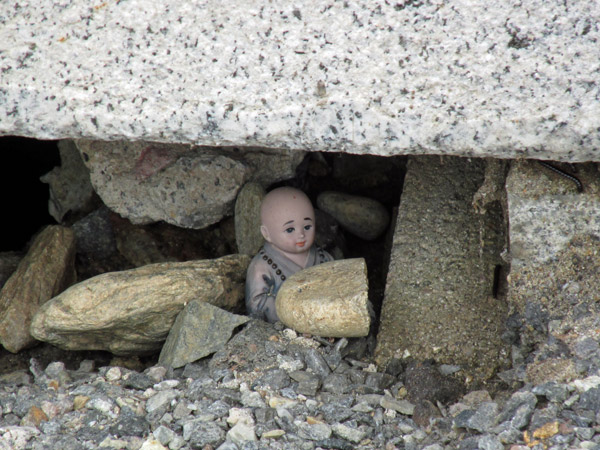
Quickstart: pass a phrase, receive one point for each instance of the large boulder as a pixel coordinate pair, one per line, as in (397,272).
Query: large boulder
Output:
(498,79)
(132,311)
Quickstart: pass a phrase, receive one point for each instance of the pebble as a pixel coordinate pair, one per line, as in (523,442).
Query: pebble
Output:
(301,397)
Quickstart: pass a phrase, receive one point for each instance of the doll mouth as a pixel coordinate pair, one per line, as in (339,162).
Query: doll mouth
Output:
(300,244)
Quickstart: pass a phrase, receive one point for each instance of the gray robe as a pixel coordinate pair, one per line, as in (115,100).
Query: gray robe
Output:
(266,273)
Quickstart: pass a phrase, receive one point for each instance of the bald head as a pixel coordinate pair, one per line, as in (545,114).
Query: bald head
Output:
(288,220)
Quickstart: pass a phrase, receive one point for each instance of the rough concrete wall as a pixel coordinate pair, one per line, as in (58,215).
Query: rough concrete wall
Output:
(460,77)
(439,300)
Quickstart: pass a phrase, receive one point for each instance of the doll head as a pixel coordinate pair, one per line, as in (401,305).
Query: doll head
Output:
(288,221)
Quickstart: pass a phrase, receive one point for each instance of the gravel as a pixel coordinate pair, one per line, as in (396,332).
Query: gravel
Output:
(272,389)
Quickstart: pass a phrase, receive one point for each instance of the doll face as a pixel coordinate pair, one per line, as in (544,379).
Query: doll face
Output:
(289,221)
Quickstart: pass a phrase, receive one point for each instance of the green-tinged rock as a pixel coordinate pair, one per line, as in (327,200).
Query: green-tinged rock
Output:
(199,330)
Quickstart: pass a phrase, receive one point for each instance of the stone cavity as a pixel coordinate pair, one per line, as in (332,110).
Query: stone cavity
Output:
(439,301)
(492,79)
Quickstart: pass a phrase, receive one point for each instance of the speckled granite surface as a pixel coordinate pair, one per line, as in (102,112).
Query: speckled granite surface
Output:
(501,78)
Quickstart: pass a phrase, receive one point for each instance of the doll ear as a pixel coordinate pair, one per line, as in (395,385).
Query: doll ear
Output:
(265,233)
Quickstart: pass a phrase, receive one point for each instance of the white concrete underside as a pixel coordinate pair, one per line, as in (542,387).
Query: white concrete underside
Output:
(480,78)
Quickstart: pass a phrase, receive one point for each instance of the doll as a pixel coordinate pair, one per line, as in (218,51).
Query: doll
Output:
(288,226)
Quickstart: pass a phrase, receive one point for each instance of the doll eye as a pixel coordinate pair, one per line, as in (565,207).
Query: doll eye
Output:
(289,230)
(307,227)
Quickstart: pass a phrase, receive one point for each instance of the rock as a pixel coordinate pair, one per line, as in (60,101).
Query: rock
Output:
(138,246)
(329,299)
(200,433)
(9,262)
(95,235)
(402,406)
(248,237)
(440,283)
(361,216)
(190,188)
(199,330)
(70,186)
(132,311)
(383,99)
(45,271)
(555,251)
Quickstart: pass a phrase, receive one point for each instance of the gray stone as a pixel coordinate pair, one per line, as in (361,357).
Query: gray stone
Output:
(484,418)
(316,363)
(364,217)
(402,406)
(439,291)
(489,442)
(248,237)
(516,80)
(200,329)
(274,379)
(45,271)
(336,383)
(160,400)
(190,188)
(590,400)
(348,433)
(554,392)
(163,434)
(337,411)
(329,299)
(132,311)
(200,433)
(517,408)
(94,234)
(70,186)
(241,432)
(313,432)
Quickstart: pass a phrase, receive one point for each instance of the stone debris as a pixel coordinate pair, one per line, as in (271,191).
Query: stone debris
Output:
(131,312)
(247,401)
(364,217)
(329,300)
(45,271)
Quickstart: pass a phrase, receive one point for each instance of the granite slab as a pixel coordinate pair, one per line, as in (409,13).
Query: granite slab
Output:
(506,79)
